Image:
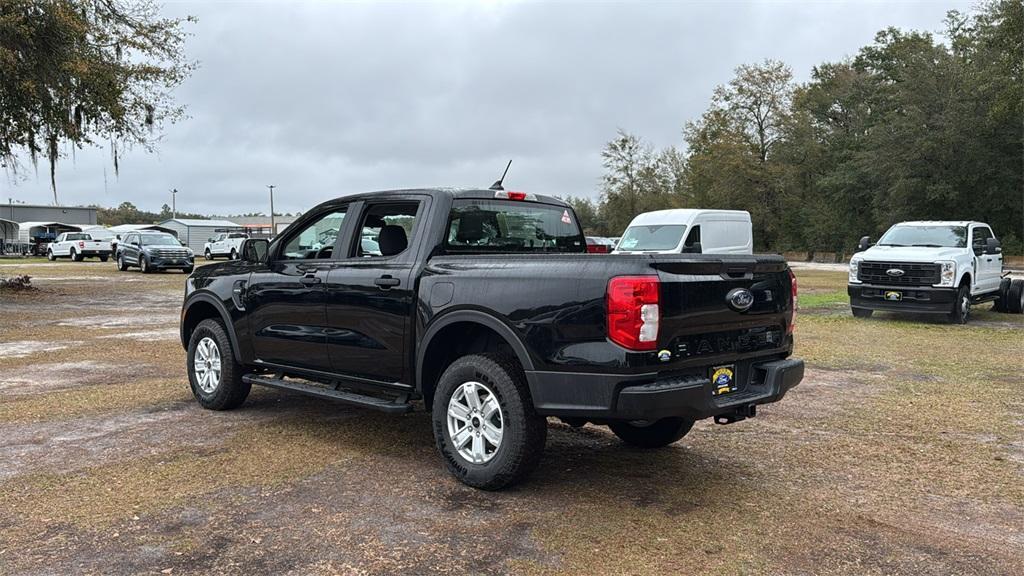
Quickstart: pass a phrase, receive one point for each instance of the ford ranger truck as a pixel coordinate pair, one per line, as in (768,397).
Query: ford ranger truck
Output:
(484,308)
(931,267)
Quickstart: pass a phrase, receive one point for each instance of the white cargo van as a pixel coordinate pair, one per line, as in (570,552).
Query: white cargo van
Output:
(689,231)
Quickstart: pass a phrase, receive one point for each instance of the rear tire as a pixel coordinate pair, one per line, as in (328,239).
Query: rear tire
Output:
(862,312)
(74,256)
(961,311)
(224,389)
(498,381)
(104,258)
(1015,297)
(653,435)
(1003,299)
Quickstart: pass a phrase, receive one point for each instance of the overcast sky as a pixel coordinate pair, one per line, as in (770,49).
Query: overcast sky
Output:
(326,99)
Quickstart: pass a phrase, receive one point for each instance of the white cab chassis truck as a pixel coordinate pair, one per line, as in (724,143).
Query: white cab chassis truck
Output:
(932,267)
(78,246)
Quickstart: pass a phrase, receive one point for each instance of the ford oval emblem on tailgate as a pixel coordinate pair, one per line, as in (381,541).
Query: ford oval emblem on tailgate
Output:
(740,299)
(895,272)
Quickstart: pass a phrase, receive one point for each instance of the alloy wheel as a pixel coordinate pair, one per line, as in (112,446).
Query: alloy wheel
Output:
(475,422)
(207,365)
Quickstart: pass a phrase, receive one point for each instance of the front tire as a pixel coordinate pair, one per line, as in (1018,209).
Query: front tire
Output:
(104,258)
(188,270)
(50,256)
(213,373)
(144,265)
(233,255)
(862,312)
(485,425)
(208,255)
(962,306)
(651,434)
(121,264)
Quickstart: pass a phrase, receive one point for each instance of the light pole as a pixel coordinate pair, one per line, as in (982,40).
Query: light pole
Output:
(273,228)
(174,204)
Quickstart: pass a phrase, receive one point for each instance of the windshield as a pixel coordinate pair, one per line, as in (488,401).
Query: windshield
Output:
(512,226)
(159,240)
(653,237)
(930,236)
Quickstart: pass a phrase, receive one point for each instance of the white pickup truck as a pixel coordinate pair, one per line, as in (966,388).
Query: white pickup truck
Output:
(78,246)
(224,244)
(932,267)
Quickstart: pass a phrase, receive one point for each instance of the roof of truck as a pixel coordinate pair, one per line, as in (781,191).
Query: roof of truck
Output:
(480,193)
(939,223)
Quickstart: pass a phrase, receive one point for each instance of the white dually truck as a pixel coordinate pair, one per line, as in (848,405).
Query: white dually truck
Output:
(932,267)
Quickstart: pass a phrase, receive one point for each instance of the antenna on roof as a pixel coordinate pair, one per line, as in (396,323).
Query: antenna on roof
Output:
(497,185)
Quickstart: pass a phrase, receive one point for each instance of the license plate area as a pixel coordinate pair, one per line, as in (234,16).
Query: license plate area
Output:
(724,379)
(892,296)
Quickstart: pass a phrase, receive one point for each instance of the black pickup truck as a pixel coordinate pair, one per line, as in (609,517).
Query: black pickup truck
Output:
(485,306)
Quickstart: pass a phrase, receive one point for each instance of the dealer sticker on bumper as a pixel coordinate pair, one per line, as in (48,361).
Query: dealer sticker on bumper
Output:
(893,296)
(723,380)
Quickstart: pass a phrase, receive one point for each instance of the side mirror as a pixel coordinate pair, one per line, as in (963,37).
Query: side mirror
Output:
(255,250)
(992,246)
(694,248)
(864,244)
(209,239)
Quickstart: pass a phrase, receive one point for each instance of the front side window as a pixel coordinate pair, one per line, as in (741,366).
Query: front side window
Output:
(503,226)
(652,237)
(386,229)
(316,239)
(981,234)
(939,236)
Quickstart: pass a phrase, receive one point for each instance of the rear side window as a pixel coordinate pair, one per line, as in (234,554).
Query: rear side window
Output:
(505,226)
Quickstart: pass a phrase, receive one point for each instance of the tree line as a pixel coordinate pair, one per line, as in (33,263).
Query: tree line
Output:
(910,128)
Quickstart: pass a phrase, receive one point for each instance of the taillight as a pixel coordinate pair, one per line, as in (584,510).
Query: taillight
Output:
(597,248)
(792,319)
(633,313)
(81,244)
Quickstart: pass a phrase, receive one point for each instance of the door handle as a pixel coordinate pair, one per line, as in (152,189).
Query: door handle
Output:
(309,279)
(387,281)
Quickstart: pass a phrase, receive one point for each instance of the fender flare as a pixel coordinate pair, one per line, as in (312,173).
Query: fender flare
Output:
(476,317)
(229,326)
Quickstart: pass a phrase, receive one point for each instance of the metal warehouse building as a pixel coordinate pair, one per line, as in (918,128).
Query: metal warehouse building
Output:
(195,233)
(42,213)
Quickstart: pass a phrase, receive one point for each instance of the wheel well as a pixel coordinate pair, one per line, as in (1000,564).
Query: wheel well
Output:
(195,314)
(452,342)
(965,279)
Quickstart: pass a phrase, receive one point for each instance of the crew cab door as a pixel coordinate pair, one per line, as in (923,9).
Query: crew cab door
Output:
(285,298)
(988,266)
(371,294)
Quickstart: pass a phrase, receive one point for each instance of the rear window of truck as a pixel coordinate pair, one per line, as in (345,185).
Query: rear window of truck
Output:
(509,226)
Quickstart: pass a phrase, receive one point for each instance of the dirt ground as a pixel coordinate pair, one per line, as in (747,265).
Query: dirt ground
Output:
(902,452)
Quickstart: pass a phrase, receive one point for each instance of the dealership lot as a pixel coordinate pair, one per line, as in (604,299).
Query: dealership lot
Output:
(901,452)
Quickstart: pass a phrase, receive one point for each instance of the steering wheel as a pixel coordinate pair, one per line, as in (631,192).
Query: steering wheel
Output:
(324,252)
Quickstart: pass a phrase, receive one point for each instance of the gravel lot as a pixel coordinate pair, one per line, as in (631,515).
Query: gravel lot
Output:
(901,453)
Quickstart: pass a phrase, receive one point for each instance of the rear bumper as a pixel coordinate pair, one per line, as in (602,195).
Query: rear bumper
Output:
(922,299)
(95,253)
(648,397)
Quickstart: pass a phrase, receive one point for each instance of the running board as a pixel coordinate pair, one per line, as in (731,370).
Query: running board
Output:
(396,406)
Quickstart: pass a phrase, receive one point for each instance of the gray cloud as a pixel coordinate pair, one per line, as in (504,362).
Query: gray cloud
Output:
(325,99)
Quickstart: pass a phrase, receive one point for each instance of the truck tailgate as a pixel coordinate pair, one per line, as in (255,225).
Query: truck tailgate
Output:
(723,306)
